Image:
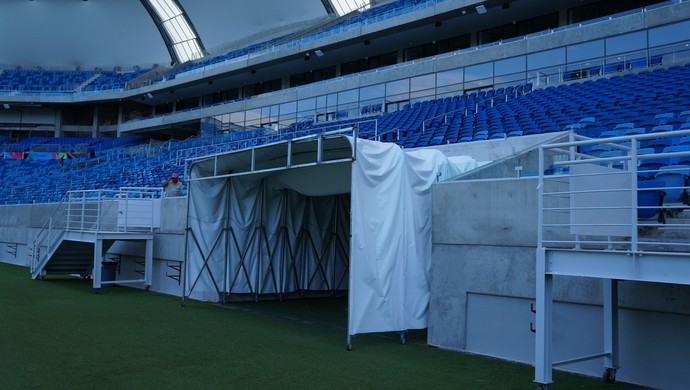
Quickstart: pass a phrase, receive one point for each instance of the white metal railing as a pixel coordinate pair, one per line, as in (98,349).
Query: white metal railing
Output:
(615,193)
(128,210)
(49,235)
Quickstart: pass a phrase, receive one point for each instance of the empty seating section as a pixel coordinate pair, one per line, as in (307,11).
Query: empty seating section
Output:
(640,103)
(41,81)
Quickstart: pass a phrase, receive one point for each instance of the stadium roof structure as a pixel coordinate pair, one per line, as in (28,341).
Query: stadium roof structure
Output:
(67,34)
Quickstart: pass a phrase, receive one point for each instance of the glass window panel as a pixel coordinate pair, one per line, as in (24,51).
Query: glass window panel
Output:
(586,51)
(479,84)
(165,9)
(626,42)
(397,87)
(450,77)
(174,35)
(372,92)
(332,100)
(184,27)
(321,101)
(350,96)
(669,33)
(546,58)
(514,79)
(253,117)
(237,118)
(455,89)
(479,72)
(420,83)
(343,7)
(274,111)
(509,65)
(288,108)
(306,104)
(425,93)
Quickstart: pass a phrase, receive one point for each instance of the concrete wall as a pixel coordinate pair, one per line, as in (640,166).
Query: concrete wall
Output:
(483,283)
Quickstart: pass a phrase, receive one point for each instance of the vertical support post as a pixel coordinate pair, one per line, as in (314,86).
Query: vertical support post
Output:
(288,163)
(319,150)
(544,301)
(633,195)
(610,295)
(543,364)
(97,263)
(148,263)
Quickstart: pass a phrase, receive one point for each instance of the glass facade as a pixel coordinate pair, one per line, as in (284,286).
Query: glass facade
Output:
(664,44)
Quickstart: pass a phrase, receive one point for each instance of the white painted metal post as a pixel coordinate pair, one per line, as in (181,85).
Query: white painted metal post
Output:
(148,263)
(97,263)
(543,364)
(610,293)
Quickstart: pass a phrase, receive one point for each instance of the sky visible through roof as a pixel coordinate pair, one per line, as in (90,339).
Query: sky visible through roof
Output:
(343,7)
(184,41)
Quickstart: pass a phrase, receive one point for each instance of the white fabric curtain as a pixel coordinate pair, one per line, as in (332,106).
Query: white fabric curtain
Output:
(391,237)
(363,226)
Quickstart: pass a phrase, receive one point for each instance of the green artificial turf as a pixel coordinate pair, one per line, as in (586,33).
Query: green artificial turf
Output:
(58,333)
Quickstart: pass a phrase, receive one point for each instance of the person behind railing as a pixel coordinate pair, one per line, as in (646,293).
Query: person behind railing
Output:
(173,186)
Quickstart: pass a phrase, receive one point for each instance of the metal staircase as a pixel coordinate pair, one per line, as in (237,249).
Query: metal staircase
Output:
(85,224)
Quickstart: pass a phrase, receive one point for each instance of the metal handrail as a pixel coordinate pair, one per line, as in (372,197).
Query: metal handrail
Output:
(582,207)
(95,211)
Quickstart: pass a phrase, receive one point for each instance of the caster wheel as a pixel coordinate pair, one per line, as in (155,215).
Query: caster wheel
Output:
(610,375)
(349,346)
(147,288)
(542,387)
(97,290)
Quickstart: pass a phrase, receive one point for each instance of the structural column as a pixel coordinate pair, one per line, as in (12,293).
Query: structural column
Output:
(543,364)
(148,263)
(610,294)
(94,124)
(97,263)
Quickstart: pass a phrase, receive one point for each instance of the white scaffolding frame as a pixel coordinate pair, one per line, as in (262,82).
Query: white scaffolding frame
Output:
(588,226)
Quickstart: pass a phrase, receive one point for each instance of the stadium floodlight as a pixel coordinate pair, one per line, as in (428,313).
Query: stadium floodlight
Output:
(318,53)
(481,9)
(6,105)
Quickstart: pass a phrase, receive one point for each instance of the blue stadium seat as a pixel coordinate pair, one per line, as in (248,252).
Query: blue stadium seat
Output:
(650,198)
(675,180)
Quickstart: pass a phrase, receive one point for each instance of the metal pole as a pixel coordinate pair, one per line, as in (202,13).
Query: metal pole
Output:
(610,328)
(543,362)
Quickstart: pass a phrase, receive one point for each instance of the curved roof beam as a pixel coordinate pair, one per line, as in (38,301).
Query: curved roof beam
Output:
(177,30)
(344,7)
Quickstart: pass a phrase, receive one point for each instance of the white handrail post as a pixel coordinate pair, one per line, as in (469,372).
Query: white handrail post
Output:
(98,214)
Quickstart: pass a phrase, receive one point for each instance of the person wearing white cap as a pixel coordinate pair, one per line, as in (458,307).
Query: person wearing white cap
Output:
(173,186)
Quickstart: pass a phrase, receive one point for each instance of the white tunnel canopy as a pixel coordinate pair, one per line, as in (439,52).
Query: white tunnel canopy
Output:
(304,215)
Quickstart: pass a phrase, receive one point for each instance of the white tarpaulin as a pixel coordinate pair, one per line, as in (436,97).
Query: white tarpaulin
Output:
(391,237)
(327,225)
